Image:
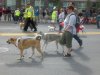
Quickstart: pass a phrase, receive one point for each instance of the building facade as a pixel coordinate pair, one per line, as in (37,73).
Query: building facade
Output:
(2,2)
(80,4)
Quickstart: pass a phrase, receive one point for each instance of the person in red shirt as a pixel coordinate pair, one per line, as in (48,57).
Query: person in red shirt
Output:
(5,14)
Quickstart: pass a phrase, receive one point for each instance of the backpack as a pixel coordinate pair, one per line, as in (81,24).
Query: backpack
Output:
(77,24)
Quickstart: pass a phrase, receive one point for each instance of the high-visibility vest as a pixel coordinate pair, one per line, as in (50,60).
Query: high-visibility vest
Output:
(54,15)
(17,13)
(29,12)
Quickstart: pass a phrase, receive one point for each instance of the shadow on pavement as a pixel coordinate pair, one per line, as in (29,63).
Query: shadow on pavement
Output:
(81,54)
(77,67)
(22,63)
(53,54)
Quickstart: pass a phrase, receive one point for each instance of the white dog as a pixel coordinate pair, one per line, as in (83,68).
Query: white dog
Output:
(51,28)
(82,28)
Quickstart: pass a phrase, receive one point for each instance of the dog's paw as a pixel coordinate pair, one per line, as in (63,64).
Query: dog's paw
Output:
(21,58)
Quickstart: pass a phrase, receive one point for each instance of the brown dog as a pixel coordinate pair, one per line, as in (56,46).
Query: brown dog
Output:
(26,43)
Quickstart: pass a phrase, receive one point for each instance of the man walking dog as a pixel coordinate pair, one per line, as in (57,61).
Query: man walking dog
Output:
(69,30)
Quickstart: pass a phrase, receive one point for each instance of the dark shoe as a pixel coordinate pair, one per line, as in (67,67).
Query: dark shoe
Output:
(81,43)
(68,55)
(24,31)
(35,31)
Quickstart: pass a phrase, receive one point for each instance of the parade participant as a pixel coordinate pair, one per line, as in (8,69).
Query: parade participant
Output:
(54,17)
(61,19)
(17,15)
(98,20)
(29,14)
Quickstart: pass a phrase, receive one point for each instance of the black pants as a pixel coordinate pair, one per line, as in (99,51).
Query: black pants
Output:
(29,22)
(16,18)
(77,38)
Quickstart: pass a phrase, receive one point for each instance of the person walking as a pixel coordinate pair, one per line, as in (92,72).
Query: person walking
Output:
(37,14)
(29,14)
(77,26)
(69,30)
(17,15)
(98,20)
(5,13)
(75,36)
(54,17)
(9,13)
(61,19)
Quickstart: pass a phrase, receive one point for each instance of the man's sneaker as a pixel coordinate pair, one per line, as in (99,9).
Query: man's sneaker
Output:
(24,31)
(35,31)
(68,55)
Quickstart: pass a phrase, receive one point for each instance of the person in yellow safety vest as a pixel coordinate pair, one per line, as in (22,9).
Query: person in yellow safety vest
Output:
(17,15)
(28,15)
(54,17)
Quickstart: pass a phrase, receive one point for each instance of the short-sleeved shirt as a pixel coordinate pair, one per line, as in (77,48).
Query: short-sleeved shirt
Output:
(70,20)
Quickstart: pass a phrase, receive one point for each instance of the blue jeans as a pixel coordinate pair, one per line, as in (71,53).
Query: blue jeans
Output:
(77,38)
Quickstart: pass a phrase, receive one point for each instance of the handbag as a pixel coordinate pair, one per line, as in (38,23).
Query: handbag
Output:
(62,24)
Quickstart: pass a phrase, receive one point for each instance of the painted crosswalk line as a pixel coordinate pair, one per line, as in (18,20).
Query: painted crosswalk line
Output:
(23,34)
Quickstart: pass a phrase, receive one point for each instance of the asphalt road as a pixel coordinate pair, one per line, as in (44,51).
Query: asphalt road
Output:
(84,61)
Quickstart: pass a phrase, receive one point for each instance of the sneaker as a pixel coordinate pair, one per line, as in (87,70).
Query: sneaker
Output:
(68,55)
(35,31)
(24,31)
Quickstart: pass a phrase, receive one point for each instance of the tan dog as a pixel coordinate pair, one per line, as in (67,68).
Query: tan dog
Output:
(26,43)
(21,24)
(51,28)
